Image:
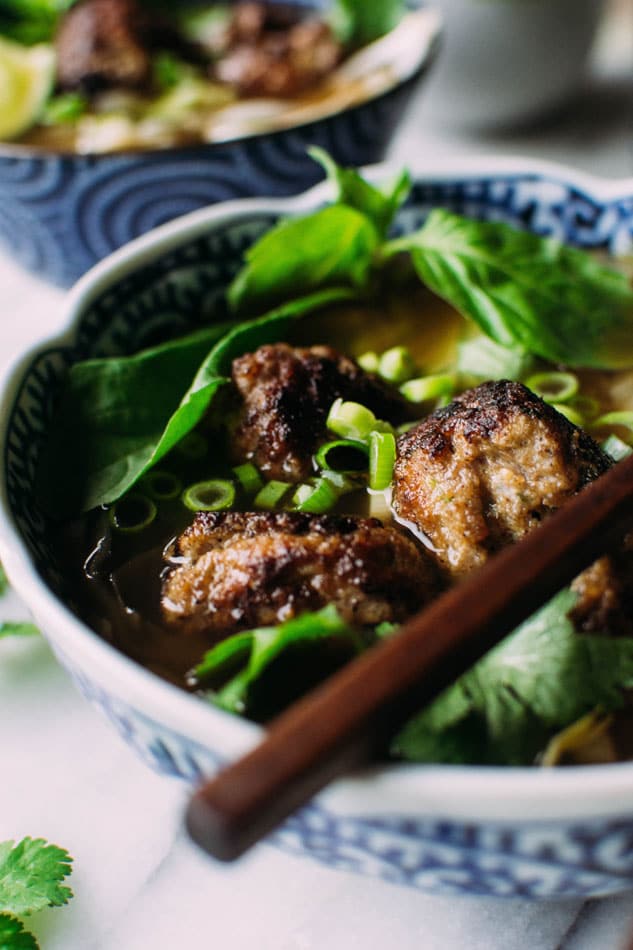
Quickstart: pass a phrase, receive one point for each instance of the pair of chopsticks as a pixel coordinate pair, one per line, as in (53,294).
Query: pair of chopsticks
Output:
(349,719)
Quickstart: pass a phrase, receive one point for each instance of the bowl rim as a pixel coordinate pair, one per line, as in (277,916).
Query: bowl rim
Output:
(426,55)
(494,793)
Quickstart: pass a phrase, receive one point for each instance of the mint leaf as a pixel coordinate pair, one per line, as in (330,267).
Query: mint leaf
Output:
(18,628)
(524,290)
(13,936)
(540,679)
(31,873)
(379,205)
(332,247)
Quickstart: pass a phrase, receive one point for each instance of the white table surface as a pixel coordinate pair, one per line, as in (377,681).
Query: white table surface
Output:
(139,884)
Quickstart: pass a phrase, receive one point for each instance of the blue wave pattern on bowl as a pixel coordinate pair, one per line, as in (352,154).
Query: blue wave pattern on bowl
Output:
(60,214)
(180,290)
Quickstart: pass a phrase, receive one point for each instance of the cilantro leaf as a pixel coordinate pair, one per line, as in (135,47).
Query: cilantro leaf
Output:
(541,678)
(13,936)
(524,290)
(254,652)
(31,873)
(18,628)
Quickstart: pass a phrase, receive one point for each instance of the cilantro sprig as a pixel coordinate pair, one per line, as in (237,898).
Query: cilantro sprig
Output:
(32,873)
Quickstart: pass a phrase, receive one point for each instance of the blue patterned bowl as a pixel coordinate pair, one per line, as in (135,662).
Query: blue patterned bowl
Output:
(452,830)
(61,213)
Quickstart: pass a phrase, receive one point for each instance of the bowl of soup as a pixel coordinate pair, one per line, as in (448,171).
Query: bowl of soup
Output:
(137,118)
(201,537)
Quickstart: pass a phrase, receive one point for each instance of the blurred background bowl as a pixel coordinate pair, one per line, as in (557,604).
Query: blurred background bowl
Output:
(509,62)
(60,213)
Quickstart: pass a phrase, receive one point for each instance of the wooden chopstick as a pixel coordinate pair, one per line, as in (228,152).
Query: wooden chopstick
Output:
(350,718)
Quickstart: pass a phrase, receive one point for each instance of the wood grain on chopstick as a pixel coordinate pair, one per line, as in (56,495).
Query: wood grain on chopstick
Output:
(352,716)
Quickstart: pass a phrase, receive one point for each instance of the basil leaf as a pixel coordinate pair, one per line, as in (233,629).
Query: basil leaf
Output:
(379,205)
(332,247)
(357,22)
(524,290)
(110,420)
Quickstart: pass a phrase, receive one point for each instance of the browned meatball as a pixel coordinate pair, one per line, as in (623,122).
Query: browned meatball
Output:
(483,471)
(287,393)
(605,594)
(236,570)
(268,53)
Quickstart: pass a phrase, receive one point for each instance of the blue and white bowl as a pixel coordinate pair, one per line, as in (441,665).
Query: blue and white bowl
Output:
(492,831)
(60,213)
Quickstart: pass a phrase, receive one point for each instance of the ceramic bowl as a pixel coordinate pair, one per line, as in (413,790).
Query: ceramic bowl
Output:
(61,213)
(490,831)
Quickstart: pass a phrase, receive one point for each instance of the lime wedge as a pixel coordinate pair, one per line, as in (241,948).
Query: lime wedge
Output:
(26,79)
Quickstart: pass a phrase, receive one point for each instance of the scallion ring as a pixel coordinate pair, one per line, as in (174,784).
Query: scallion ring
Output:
(271,495)
(396,365)
(343,455)
(350,420)
(132,513)
(161,485)
(616,448)
(622,418)
(249,478)
(554,387)
(570,413)
(316,499)
(428,387)
(382,457)
(368,361)
(341,482)
(216,494)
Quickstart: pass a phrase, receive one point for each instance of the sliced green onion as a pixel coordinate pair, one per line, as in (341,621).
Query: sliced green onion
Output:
(271,494)
(623,418)
(161,485)
(570,413)
(368,361)
(396,365)
(317,498)
(132,513)
(587,406)
(616,448)
(216,494)
(554,387)
(350,420)
(193,446)
(343,455)
(249,478)
(382,457)
(428,387)
(341,482)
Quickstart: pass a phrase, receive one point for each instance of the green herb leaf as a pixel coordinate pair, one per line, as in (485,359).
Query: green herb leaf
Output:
(379,205)
(4,581)
(482,358)
(254,652)
(330,248)
(31,873)
(527,291)
(13,936)
(357,22)
(541,678)
(110,421)
(18,628)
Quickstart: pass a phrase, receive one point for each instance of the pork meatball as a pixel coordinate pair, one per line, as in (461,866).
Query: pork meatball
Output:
(286,395)
(482,472)
(237,570)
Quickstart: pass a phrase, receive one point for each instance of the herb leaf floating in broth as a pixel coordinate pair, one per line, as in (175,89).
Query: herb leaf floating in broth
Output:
(120,416)
(524,290)
(541,678)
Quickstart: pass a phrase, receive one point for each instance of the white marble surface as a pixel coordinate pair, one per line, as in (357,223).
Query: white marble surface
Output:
(138,882)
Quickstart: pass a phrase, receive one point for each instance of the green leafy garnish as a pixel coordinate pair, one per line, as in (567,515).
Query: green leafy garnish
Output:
(4,582)
(65,108)
(357,22)
(525,291)
(13,936)
(18,628)
(254,652)
(31,21)
(31,875)
(540,679)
